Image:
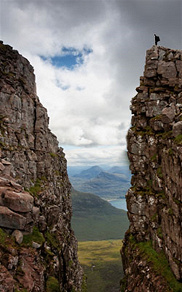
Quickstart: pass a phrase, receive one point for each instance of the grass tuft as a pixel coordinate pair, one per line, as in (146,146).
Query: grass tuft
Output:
(3,237)
(35,236)
(36,189)
(52,285)
(178,139)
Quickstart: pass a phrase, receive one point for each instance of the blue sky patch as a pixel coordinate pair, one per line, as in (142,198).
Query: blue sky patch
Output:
(69,58)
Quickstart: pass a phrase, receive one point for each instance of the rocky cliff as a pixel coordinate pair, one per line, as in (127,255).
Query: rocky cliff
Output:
(152,251)
(38,250)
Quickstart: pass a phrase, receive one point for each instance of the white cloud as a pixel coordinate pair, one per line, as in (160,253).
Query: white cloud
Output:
(88,105)
(113,155)
(82,117)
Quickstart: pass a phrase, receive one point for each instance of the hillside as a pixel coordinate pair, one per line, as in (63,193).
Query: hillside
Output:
(95,219)
(108,185)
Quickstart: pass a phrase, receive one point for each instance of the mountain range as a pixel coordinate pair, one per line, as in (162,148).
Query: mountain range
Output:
(110,184)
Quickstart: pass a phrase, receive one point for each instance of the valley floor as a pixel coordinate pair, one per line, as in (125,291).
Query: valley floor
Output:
(102,264)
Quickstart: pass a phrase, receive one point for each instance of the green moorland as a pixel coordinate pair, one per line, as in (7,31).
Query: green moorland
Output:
(99,228)
(102,265)
(95,219)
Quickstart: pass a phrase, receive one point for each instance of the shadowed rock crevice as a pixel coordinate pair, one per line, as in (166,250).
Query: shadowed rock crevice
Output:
(155,199)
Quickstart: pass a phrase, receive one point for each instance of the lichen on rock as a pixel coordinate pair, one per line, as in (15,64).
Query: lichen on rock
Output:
(155,199)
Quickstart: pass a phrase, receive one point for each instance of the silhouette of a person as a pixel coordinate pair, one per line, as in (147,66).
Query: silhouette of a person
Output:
(157,39)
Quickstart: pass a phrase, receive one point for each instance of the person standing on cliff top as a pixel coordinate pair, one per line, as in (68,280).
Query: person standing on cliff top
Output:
(157,39)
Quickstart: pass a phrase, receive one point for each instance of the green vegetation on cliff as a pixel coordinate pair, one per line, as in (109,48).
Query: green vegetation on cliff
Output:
(35,236)
(160,264)
(52,285)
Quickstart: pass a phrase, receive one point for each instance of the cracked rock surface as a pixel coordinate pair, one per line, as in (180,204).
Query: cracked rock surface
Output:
(38,248)
(155,199)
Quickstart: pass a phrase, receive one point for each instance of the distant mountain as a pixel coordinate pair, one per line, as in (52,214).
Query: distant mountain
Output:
(121,169)
(116,169)
(72,170)
(104,184)
(95,219)
(111,177)
(89,173)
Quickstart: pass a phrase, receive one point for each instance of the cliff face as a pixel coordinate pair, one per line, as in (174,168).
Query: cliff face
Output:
(38,250)
(152,248)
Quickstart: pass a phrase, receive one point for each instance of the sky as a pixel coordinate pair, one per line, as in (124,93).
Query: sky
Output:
(88,56)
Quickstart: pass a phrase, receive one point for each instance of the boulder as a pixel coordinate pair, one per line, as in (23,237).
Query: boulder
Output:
(18,235)
(168,114)
(177,129)
(10,219)
(9,182)
(19,202)
(167,69)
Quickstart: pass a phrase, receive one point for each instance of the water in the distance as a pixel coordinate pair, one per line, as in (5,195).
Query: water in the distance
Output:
(119,203)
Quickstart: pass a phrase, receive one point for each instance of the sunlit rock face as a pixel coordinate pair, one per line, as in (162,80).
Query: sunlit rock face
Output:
(155,199)
(38,249)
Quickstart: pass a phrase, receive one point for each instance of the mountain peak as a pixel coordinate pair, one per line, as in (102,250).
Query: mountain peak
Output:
(90,173)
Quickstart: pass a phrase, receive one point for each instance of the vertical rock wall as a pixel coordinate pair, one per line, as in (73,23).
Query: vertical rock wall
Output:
(152,251)
(34,189)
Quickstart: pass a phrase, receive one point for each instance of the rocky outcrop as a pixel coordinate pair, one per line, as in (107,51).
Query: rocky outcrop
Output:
(151,253)
(38,249)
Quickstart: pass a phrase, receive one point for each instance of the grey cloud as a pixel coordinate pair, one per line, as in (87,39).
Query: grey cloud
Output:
(141,19)
(45,26)
(60,14)
(122,126)
(119,31)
